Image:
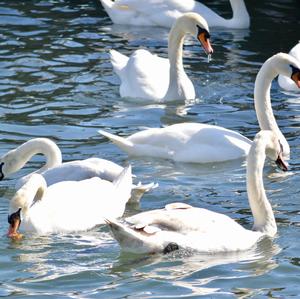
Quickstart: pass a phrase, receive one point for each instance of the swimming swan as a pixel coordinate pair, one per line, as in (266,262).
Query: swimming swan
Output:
(55,171)
(180,225)
(67,206)
(285,82)
(164,12)
(203,143)
(147,76)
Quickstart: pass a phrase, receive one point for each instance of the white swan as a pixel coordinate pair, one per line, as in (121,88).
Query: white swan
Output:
(286,82)
(202,143)
(67,206)
(180,225)
(55,171)
(164,12)
(147,76)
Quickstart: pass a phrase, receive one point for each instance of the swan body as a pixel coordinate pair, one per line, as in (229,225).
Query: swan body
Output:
(70,206)
(181,226)
(286,82)
(202,143)
(185,142)
(147,76)
(55,171)
(163,13)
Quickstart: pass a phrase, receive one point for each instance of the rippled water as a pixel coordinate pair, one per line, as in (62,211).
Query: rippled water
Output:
(56,81)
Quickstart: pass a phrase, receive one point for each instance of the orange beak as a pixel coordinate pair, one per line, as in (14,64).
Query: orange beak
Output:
(14,221)
(205,43)
(13,231)
(296,78)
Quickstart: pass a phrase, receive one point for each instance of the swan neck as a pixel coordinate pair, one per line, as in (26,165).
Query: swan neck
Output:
(32,191)
(240,14)
(262,101)
(264,220)
(175,46)
(39,146)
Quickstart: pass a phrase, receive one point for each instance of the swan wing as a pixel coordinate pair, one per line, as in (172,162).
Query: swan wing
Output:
(79,205)
(190,142)
(187,227)
(145,76)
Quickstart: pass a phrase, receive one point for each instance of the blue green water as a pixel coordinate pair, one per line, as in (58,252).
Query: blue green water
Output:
(56,81)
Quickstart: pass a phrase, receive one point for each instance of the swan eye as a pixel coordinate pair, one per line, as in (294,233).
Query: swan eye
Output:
(1,171)
(203,31)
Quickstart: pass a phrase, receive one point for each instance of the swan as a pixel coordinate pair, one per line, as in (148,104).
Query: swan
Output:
(55,171)
(147,76)
(182,226)
(204,143)
(67,206)
(285,82)
(164,12)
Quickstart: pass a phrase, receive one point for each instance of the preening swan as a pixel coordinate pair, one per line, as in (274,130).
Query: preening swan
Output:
(286,82)
(164,12)
(180,225)
(67,206)
(55,171)
(147,76)
(202,143)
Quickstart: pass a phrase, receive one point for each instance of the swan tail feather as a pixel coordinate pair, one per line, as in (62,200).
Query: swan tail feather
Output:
(121,142)
(118,61)
(138,191)
(131,240)
(124,182)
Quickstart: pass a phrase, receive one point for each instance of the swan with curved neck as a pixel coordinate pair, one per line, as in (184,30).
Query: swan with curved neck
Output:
(147,76)
(202,143)
(286,82)
(55,171)
(181,226)
(67,206)
(164,12)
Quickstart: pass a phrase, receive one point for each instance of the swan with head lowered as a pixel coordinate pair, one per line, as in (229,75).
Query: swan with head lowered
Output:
(55,171)
(204,143)
(164,12)
(286,82)
(147,76)
(67,206)
(181,226)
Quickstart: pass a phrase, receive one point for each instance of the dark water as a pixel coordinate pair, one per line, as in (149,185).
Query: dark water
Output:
(56,81)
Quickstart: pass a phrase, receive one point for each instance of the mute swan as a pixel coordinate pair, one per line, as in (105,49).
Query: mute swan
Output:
(147,76)
(55,171)
(164,12)
(67,206)
(180,225)
(202,143)
(285,82)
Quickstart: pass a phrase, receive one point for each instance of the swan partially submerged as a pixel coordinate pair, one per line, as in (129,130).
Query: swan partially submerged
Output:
(54,170)
(146,76)
(181,226)
(163,13)
(67,206)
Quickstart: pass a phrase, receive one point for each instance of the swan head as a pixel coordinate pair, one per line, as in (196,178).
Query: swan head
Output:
(8,164)
(197,26)
(28,195)
(14,221)
(287,65)
(274,149)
